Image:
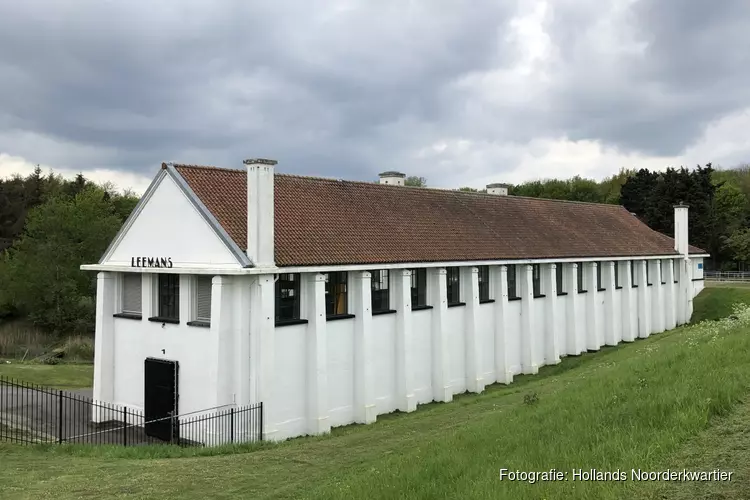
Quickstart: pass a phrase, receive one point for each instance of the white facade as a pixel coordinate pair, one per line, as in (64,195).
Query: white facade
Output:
(321,373)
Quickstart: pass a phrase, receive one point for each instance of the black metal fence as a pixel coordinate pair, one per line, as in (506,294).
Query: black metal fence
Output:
(32,414)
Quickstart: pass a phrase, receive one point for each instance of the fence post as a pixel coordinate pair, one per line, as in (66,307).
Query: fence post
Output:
(125,426)
(260,431)
(59,417)
(231,425)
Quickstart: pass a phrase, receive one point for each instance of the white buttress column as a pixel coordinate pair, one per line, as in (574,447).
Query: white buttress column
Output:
(503,373)
(364,401)
(657,297)
(473,348)
(594,335)
(222,331)
(241,328)
(644,301)
(104,343)
(629,305)
(317,347)
(575,331)
(528,311)
(611,322)
(688,289)
(441,390)
(670,316)
(406,401)
(262,349)
(551,318)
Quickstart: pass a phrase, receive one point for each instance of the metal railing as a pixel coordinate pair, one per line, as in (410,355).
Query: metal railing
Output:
(730,276)
(31,414)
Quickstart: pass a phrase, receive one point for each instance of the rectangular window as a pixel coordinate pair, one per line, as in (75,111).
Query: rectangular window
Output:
(484,283)
(536,279)
(454,285)
(288,297)
(418,288)
(648,273)
(617,274)
(559,278)
(581,287)
(131,294)
(599,276)
(336,297)
(512,283)
(676,271)
(203,298)
(169,297)
(661,272)
(380,291)
(633,280)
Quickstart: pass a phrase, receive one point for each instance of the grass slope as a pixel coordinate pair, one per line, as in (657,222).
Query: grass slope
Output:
(62,376)
(716,300)
(636,405)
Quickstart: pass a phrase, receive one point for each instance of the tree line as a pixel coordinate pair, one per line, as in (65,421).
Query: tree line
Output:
(49,226)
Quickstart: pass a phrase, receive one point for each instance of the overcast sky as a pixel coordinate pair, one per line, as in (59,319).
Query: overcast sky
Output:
(462,93)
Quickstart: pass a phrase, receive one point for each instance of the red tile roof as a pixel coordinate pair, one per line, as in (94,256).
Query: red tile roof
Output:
(329,222)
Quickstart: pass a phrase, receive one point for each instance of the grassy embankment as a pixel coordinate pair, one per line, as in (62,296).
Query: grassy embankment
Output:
(674,400)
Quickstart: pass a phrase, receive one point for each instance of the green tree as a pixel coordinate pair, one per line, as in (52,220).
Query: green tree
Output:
(415,181)
(739,244)
(41,273)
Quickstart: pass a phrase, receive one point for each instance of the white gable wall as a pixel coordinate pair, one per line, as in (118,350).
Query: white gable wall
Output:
(169,225)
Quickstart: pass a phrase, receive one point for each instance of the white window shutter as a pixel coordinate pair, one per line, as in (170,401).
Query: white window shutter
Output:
(131,293)
(203,298)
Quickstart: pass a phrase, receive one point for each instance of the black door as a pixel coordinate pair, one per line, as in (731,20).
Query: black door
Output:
(160,399)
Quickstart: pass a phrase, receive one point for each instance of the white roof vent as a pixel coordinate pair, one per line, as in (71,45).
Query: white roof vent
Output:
(391,177)
(498,189)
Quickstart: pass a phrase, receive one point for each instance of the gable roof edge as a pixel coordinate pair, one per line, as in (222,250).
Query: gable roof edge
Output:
(240,254)
(133,215)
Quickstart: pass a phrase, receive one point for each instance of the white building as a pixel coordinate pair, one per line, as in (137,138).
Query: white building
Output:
(333,302)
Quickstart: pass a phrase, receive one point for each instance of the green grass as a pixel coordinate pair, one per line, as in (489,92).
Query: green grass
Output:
(716,300)
(637,405)
(61,376)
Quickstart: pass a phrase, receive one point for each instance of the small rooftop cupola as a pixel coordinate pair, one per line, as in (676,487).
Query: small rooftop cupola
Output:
(392,177)
(260,216)
(498,189)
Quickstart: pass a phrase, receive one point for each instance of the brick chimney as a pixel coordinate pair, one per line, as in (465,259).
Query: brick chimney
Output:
(681,228)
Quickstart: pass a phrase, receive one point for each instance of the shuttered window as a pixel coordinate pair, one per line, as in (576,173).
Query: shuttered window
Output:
(131,293)
(203,298)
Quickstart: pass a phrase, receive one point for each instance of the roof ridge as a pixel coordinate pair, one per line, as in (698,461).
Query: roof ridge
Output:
(392,186)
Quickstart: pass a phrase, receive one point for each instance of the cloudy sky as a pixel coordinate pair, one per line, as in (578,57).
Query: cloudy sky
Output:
(462,93)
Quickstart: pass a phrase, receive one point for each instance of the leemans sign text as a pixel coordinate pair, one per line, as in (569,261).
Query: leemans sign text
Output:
(150,261)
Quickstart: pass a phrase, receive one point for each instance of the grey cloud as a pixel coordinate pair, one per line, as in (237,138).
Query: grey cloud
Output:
(328,89)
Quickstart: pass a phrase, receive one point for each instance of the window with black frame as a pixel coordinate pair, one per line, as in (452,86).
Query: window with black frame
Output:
(581,284)
(336,294)
(169,298)
(675,271)
(617,274)
(453,282)
(287,298)
(380,291)
(484,283)
(648,273)
(599,276)
(560,278)
(536,279)
(661,273)
(633,280)
(418,288)
(512,283)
